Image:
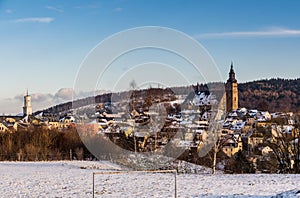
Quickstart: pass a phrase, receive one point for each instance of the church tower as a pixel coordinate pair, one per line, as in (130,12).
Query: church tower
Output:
(27,110)
(231,87)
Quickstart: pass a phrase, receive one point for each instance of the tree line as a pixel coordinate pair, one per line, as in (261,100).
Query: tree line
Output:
(274,95)
(39,143)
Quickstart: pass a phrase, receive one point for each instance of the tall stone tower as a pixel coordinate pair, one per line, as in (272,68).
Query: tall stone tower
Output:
(27,110)
(232,94)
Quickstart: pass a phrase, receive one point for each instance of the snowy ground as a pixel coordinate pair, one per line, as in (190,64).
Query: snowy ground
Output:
(74,179)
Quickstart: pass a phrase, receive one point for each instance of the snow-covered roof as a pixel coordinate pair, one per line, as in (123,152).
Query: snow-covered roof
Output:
(233,114)
(202,99)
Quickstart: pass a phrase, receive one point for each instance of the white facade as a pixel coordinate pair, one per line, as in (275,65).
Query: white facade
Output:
(27,109)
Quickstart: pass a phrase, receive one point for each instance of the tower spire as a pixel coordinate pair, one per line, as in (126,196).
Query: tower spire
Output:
(231,74)
(27,109)
(231,91)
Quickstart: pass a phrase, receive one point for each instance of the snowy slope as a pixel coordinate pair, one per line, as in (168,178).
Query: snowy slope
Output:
(74,179)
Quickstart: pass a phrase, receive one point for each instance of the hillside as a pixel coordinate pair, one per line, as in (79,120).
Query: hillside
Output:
(272,95)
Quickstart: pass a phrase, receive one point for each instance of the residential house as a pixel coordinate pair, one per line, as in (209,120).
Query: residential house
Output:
(3,128)
(232,144)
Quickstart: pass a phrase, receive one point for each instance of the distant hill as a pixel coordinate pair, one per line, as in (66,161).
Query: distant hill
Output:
(272,95)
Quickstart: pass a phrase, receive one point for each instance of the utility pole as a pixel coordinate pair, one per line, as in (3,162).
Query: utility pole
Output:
(135,148)
(296,145)
(71,154)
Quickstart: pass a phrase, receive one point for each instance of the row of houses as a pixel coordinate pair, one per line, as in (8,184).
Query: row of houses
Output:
(241,129)
(10,124)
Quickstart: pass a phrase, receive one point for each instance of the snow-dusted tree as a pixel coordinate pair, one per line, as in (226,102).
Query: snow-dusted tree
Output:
(284,147)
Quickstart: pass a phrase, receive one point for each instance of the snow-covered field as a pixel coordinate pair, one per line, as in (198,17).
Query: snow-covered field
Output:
(74,179)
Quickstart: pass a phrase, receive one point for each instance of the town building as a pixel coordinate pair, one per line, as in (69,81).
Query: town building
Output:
(231,88)
(27,109)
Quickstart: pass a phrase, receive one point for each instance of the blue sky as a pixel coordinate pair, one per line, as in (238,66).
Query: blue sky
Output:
(43,42)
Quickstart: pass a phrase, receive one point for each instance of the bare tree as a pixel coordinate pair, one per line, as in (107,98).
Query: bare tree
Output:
(281,144)
(133,85)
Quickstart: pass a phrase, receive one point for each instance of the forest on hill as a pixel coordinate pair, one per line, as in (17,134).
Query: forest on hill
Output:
(272,95)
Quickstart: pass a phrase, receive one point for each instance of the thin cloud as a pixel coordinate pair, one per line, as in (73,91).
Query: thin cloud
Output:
(35,20)
(88,6)
(64,94)
(54,9)
(275,32)
(44,100)
(8,11)
(118,9)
